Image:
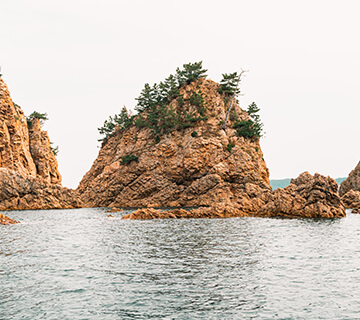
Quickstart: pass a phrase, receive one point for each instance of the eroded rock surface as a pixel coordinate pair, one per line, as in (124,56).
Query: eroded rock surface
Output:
(43,157)
(183,169)
(352,182)
(23,193)
(306,197)
(29,176)
(351,199)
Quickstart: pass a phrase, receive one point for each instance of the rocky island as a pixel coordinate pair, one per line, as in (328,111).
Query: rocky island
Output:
(192,145)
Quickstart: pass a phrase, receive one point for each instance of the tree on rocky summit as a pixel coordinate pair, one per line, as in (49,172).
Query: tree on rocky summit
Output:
(231,84)
(190,72)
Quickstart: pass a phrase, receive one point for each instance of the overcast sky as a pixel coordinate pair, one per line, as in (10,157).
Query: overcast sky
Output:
(81,61)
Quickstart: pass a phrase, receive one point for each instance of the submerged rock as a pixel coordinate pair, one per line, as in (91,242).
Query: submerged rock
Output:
(4,220)
(306,197)
(352,182)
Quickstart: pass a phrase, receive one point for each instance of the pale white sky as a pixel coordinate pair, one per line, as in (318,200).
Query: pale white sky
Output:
(81,61)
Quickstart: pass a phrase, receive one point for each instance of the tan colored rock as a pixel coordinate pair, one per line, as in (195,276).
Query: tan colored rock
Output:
(4,220)
(114,209)
(29,177)
(351,199)
(14,138)
(180,170)
(33,193)
(40,149)
(306,197)
(352,182)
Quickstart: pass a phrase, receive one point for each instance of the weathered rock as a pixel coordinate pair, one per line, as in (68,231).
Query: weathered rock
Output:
(352,182)
(44,158)
(27,193)
(14,137)
(114,209)
(351,199)
(4,220)
(306,197)
(29,176)
(221,210)
(181,170)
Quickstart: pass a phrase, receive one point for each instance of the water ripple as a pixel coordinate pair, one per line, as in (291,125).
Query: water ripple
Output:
(79,264)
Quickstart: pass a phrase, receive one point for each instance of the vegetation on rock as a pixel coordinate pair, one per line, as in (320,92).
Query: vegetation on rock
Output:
(36,115)
(128,158)
(252,128)
(120,121)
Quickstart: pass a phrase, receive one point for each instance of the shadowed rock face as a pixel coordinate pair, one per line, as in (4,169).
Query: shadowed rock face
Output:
(29,176)
(352,182)
(180,170)
(306,197)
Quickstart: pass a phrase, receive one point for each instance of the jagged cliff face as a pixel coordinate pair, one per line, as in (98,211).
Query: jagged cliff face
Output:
(352,182)
(14,137)
(29,176)
(181,169)
(42,155)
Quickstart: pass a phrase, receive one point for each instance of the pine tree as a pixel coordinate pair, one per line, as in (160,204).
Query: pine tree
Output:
(146,99)
(229,84)
(191,72)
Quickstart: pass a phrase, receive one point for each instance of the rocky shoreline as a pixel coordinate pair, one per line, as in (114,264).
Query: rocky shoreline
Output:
(306,197)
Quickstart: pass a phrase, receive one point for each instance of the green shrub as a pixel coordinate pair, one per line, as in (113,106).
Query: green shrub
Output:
(252,128)
(36,115)
(194,134)
(55,150)
(128,158)
(230,146)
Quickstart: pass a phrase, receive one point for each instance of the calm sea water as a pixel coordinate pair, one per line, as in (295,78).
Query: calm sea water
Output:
(80,264)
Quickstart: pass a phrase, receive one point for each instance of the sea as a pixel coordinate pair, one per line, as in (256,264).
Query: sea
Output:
(82,264)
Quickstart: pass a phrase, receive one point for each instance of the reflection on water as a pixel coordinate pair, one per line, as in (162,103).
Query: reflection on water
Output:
(79,264)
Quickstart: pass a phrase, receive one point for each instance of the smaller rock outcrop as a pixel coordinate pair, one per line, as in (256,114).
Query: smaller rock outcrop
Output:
(33,193)
(352,182)
(4,220)
(351,199)
(306,197)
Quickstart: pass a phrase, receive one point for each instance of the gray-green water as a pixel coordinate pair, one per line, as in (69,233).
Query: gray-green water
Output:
(80,264)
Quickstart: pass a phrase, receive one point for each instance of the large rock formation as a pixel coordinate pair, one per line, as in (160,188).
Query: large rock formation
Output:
(29,177)
(352,182)
(196,166)
(306,197)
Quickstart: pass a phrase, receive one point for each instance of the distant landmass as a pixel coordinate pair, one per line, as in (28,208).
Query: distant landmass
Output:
(282,183)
